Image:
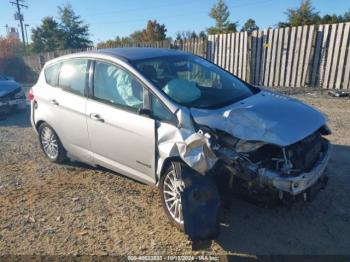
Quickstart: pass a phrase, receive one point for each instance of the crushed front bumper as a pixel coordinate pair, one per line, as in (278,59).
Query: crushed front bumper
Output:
(295,185)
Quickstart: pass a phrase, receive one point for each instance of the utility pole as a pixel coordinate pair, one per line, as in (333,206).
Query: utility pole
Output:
(19,16)
(25,27)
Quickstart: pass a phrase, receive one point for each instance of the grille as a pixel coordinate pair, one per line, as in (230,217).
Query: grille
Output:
(306,152)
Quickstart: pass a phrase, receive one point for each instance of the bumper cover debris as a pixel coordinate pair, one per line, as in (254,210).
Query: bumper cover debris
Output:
(298,184)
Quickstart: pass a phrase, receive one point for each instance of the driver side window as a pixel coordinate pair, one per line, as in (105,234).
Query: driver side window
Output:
(161,112)
(115,85)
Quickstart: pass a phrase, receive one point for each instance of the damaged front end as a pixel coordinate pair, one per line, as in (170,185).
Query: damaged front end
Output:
(266,168)
(270,142)
(261,145)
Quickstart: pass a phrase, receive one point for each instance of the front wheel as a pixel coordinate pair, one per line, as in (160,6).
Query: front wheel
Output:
(170,187)
(50,144)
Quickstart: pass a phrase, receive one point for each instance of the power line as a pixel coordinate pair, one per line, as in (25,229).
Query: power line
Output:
(19,16)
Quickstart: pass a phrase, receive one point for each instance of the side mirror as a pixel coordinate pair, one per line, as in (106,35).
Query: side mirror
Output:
(144,112)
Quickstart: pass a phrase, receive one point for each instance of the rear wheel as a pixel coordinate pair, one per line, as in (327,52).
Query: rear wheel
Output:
(50,144)
(170,187)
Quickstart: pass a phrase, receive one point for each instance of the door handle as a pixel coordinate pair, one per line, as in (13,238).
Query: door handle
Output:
(54,102)
(96,117)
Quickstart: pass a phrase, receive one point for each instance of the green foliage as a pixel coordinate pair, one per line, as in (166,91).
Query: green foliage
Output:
(220,13)
(249,26)
(69,33)
(306,14)
(202,34)
(153,32)
(184,35)
(47,37)
(136,36)
(75,34)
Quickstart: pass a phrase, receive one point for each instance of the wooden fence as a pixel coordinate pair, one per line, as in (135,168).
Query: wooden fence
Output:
(317,56)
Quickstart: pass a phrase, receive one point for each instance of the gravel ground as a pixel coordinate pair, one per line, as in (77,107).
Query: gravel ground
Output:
(75,209)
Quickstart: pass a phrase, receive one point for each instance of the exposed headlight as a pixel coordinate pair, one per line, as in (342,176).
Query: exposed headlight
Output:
(244,146)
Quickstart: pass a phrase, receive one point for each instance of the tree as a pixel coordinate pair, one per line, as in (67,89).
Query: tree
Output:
(9,46)
(202,34)
(332,19)
(47,36)
(305,14)
(346,16)
(249,26)
(184,35)
(153,32)
(136,36)
(11,60)
(75,33)
(220,13)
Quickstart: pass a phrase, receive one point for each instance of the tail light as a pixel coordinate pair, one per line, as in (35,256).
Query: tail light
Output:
(30,95)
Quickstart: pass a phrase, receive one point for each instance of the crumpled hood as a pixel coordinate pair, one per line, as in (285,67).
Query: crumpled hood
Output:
(267,116)
(8,86)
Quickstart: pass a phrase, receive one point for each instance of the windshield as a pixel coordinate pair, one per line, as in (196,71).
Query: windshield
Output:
(194,82)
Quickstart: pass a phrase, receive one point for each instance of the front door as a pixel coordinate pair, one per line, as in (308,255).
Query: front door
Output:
(121,139)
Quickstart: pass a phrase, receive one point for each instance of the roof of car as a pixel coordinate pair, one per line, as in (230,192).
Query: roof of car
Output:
(137,53)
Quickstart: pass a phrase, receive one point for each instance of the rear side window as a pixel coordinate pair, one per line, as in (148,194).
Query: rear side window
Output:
(73,76)
(51,74)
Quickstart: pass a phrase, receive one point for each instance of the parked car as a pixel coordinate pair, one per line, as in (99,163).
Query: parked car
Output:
(12,95)
(175,120)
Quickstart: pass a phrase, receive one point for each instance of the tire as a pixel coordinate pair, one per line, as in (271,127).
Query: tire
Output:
(166,186)
(51,144)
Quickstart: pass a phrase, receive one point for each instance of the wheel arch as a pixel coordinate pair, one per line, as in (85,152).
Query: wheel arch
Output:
(165,165)
(40,122)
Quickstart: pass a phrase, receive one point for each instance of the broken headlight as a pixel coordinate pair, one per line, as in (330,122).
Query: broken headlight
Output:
(210,134)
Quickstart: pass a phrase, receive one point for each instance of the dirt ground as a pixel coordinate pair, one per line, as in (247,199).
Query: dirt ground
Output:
(75,209)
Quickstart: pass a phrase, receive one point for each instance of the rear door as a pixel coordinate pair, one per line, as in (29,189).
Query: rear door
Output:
(70,102)
(45,93)
(121,138)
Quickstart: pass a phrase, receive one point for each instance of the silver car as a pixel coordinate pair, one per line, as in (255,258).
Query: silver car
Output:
(178,121)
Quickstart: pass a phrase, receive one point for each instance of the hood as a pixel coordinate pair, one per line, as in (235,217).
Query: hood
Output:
(7,87)
(267,117)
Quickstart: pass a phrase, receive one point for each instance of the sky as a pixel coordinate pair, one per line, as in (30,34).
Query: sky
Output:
(110,18)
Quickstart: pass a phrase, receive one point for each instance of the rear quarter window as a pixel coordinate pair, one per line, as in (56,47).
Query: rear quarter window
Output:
(51,74)
(73,76)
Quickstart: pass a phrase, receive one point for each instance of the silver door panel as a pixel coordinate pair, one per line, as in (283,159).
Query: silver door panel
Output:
(71,124)
(122,140)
